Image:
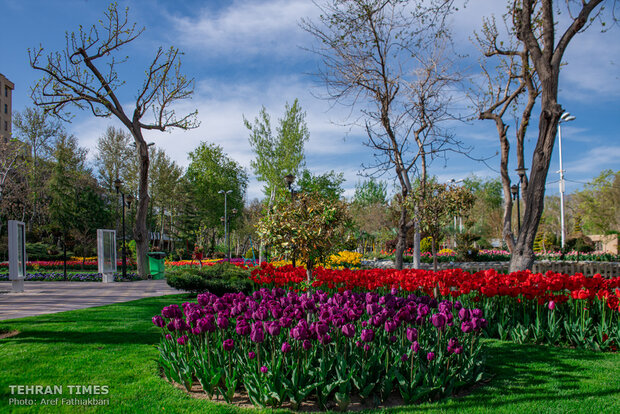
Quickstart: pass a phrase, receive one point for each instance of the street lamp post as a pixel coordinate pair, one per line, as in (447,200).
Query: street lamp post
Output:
(566,117)
(289,180)
(225,220)
(117,185)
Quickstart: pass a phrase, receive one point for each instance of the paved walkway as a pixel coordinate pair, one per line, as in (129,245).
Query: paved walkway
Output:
(40,298)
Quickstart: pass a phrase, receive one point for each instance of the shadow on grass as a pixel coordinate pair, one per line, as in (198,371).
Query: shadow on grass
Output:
(524,374)
(94,337)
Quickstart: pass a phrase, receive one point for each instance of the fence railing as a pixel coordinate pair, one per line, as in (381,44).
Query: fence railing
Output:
(605,269)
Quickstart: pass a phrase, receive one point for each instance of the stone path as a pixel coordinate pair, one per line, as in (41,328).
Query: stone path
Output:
(40,298)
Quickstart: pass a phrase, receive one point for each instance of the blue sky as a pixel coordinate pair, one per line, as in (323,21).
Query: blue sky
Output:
(248,53)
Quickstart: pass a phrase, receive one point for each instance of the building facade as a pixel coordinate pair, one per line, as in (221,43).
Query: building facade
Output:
(6,108)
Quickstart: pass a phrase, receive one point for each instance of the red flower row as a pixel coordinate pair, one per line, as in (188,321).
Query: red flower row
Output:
(546,287)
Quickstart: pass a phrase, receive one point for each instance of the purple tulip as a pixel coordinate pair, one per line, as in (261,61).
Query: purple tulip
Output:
(430,356)
(465,314)
(390,326)
(169,337)
(206,324)
(182,340)
(438,320)
(368,335)
(325,339)
(415,347)
(306,345)
(404,357)
(366,348)
(286,348)
(251,355)
(358,344)
(257,334)
(273,328)
(551,306)
(243,328)
(467,327)
(158,321)
(172,312)
(222,322)
(393,338)
(476,313)
(453,342)
(228,345)
(348,330)
(180,325)
(412,334)
(264,369)
(458,350)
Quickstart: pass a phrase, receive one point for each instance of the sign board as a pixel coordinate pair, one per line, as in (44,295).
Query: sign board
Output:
(106,251)
(17,250)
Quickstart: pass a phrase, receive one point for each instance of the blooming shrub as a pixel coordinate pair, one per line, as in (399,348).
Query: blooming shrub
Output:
(73,277)
(282,346)
(586,310)
(341,260)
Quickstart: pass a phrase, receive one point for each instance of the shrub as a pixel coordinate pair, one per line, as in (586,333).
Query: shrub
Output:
(219,278)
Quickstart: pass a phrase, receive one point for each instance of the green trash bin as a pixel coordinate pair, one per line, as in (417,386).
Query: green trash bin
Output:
(157,264)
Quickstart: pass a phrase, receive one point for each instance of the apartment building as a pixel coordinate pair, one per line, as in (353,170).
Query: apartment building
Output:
(6,110)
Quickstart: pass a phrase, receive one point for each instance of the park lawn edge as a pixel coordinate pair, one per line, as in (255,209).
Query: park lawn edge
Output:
(115,345)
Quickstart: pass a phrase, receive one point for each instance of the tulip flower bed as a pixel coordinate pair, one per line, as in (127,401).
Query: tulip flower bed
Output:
(280,346)
(59,264)
(523,307)
(72,277)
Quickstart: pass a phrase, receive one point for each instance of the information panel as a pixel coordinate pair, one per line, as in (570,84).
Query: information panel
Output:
(17,250)
(106,251)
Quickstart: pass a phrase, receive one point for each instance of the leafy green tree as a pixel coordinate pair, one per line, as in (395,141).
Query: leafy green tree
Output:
(38,131)
(485,215)
(165,191)
(311,227)
(280,154)
(598,204)
(114,157)
(327,185)
(210,171)
(438,203)
(370,192)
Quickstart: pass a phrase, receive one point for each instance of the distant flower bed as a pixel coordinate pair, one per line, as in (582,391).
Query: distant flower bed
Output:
(282,346)
(494,255)
(342,260)
(195,262)
(59,264)
(72,277)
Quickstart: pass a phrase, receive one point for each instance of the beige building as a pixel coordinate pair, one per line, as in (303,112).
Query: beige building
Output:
(6,110)
(605,243)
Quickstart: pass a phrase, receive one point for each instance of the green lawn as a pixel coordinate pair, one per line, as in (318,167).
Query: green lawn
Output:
(114,345)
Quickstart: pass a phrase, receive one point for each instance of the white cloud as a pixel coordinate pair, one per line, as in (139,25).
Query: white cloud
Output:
(246,28)
(596,159)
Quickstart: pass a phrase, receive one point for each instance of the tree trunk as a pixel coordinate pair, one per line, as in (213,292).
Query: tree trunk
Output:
(416,248)
(401,242)
(434,251)
(522,257)
(140,230)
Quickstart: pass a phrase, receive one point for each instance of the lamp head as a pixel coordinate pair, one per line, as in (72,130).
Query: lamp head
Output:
(289,180)
(129,199)
(234,211)
(117,185)
(521,172)
(514,190)
(566,117)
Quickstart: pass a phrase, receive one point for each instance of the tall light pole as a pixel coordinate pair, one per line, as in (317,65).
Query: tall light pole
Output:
(226,220)
(566,117)
(117,185)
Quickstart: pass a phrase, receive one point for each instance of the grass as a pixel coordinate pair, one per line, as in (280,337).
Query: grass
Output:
(114,345)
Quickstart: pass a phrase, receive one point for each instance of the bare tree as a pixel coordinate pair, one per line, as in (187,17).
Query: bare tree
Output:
(85,75)
(534,26)
(510,87)
(388,58)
